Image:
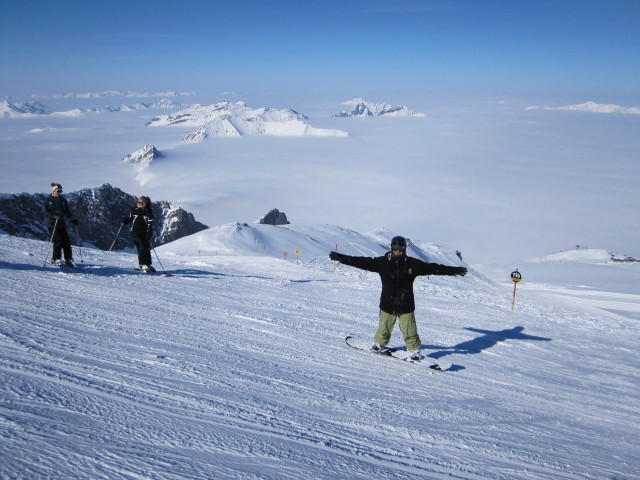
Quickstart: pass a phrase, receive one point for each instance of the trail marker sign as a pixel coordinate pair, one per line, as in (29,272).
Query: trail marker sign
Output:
(516,276)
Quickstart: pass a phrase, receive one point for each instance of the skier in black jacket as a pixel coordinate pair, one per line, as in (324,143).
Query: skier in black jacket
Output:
(56,209)
(397,272)
(141,220)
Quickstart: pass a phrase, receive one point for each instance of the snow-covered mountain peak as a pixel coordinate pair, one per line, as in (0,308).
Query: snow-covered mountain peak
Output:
(225,119)
(361,108)
(142,158)
(21,109)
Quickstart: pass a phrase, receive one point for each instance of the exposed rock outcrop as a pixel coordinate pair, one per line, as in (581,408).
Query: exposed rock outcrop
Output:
(100,212)
(274,217)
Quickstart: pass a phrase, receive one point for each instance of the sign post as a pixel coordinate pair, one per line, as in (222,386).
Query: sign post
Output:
(297,256)
(516,277)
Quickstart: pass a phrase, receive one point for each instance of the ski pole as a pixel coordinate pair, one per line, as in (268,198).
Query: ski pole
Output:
(114,240)
(79,245)
(334,263)
(161,266)
(50,242)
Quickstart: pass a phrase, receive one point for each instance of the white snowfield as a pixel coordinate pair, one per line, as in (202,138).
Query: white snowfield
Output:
(235,367)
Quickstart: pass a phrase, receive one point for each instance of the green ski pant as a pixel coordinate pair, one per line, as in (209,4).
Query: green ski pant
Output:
(407,327)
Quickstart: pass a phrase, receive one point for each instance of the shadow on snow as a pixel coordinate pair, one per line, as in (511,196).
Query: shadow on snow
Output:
(488,339)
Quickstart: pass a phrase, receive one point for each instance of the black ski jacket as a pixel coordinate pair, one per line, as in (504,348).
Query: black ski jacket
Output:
(56,204)
(397,275)
(141,220)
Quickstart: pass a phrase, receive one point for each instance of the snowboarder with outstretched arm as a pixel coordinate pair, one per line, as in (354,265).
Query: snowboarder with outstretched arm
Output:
(141,220)
(397,273)
(56,209)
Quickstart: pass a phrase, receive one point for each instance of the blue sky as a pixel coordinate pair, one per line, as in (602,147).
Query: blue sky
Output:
(588,47)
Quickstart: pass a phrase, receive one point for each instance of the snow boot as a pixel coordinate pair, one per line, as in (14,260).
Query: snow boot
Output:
(381,349)
(414,356)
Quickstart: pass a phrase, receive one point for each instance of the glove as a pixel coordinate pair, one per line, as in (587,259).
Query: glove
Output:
(334,256)
(56,214)
(462,272)
(75,221)
(126,220)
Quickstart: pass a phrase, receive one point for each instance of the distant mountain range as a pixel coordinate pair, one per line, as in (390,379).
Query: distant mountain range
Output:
(23,109)
(367,109)
(592,107)
(588,255)
(227,119)
(116,93)
(9,109)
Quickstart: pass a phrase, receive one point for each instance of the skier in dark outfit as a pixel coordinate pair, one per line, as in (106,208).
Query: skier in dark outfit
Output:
(56,209)
(141,220)
(397,272)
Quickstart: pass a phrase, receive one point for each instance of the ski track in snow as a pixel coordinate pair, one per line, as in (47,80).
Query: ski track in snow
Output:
(236,368)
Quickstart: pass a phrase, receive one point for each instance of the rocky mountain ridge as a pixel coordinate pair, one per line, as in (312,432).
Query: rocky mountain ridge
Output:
(100,211)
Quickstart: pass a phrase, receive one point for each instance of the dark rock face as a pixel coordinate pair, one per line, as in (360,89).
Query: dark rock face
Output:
(274,217)
(100,212)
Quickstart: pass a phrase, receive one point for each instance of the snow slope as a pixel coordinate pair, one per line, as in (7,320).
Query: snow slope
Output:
(235,368)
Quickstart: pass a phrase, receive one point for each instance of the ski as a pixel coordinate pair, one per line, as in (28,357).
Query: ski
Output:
(398,354)
(67,268)
(152,272)
(148,272)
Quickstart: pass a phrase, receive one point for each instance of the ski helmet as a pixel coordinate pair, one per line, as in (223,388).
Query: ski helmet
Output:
(399,243)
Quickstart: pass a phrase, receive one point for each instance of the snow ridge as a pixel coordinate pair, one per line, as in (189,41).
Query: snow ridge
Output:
(314,242)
